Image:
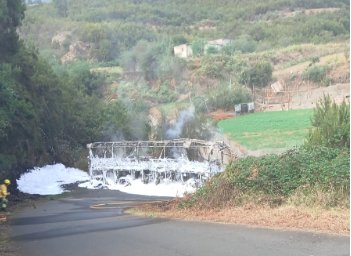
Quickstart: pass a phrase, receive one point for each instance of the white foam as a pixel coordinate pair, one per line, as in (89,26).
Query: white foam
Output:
(165,188)
(48,180)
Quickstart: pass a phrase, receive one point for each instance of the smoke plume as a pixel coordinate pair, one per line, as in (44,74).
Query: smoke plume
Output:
(185,116)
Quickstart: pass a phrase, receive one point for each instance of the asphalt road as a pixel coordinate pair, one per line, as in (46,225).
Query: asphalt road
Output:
(70,227)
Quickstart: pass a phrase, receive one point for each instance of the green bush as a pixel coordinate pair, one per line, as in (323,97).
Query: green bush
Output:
(276,179)
(212,67)
(198,47)
(331,124)
(243,44)
(165,95)
(259,74)
(212,50)
(315,73)
(282,175)
(225,98)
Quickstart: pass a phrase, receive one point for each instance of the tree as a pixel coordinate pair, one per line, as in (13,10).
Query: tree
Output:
(315,73)
(61,7)
(11,15)
(260,74)
(331,124)
(212,50)
(242,44)
(198,47)
(179,39)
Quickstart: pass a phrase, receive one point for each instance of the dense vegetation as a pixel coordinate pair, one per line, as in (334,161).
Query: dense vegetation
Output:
(116,26)
(46,116)
(140,35)
(316,173)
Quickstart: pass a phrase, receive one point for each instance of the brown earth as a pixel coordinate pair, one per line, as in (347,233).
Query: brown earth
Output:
(219,115)
(305,95)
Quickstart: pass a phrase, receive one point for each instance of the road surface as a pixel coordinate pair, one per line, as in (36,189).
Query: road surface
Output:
(70,226)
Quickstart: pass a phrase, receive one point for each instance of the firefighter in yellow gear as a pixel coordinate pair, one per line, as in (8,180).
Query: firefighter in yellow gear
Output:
(4,194)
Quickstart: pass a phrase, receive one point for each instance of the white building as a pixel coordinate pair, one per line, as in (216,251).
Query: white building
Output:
(183,51)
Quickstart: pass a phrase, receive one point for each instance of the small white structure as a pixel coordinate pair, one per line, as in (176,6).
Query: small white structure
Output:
(277,87)
(244,108)
(183,51)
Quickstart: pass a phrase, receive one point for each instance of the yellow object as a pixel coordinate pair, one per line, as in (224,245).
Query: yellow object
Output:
(3,191)
(7,182)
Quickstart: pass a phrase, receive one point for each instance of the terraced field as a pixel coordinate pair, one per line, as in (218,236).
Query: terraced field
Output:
(266,130)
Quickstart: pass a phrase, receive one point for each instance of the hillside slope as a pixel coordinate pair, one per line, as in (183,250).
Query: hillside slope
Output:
(303,46)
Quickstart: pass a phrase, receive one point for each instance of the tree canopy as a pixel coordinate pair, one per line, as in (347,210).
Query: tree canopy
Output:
(11,15)
(45,115)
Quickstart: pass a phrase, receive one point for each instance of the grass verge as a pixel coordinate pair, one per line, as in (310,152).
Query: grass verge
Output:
(332,221)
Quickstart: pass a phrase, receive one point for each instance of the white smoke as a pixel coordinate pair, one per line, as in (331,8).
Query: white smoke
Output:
(185,116)
(114,135)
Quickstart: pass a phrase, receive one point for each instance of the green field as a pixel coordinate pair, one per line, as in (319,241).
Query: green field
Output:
(269,130)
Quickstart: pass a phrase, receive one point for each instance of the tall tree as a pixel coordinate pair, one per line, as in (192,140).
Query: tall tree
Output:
(61,7)
(11,15)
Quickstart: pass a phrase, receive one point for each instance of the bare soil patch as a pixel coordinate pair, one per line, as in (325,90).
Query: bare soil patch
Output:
(221,115)
(333,221)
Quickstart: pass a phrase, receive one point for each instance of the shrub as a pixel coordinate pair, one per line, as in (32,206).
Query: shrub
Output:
(282,175)
(212,50)
(198,47)
(214,66)
(276,179)
(331,124)
(223,98)
(315,73)
(226,98)
(165,95)
(260,74)
(243,44)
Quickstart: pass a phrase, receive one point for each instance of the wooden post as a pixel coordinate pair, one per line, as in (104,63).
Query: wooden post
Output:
(288,100)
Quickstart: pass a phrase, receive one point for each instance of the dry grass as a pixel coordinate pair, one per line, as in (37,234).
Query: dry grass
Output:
(308,11)
(333,60)
(334,221)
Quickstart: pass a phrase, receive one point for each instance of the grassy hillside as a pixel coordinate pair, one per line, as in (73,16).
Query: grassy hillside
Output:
(283,129)
(131,43)
(264,25)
